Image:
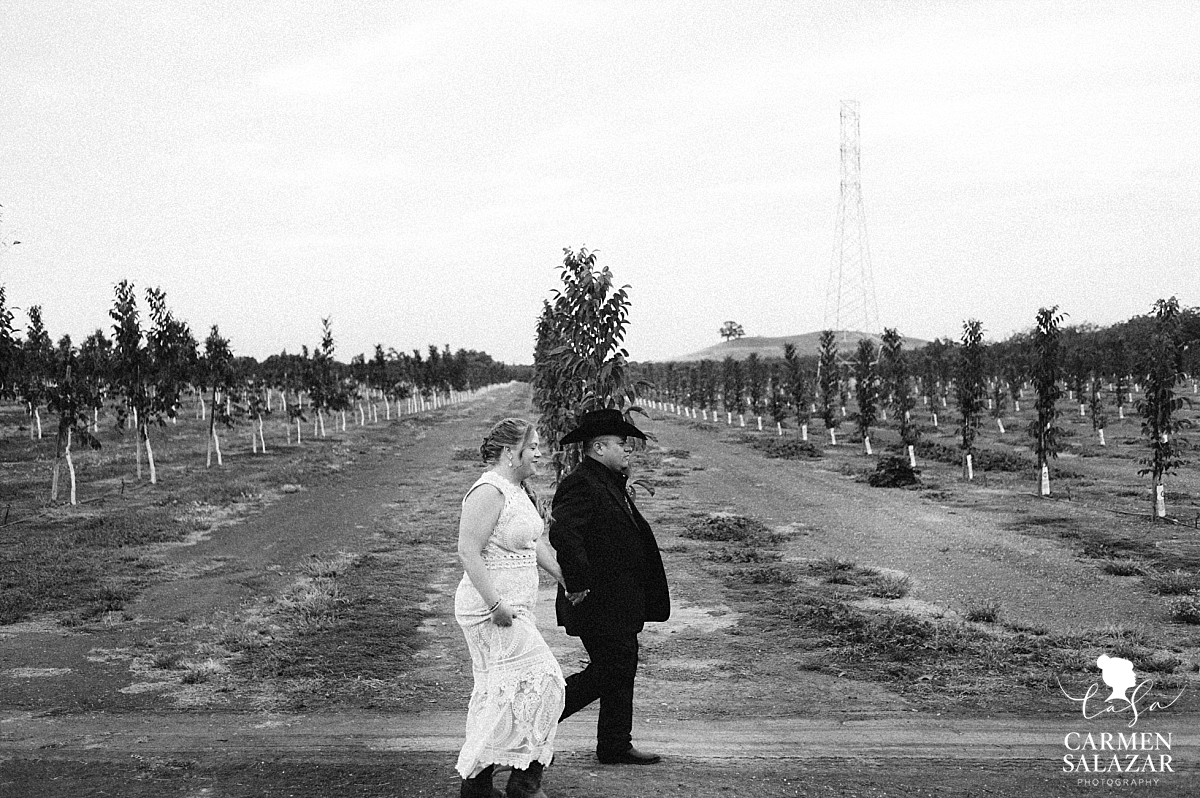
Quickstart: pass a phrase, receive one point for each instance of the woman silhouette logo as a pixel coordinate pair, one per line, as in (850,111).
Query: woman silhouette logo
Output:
(1118,674)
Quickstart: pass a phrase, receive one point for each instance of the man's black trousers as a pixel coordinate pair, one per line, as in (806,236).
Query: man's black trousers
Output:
(609,678)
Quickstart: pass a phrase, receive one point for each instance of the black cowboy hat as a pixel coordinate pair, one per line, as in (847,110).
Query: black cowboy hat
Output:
(595,423)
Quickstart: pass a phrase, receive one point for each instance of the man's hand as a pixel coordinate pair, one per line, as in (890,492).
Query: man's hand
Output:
(575,598)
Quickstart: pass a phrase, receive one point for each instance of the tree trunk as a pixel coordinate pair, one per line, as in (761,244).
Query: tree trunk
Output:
(297,432)
(57,461)
(867,445)
(216,440)
(1000,424)
(1101,431)
(387,408)
(137,449)
(1160,499)
(1044,481)
(212,431)
(968,468)
(71,467)
(150,456)
(803,432)
(321,418)
(912,458)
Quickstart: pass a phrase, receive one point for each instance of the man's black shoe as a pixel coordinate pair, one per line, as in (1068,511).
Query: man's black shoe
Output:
(629,757)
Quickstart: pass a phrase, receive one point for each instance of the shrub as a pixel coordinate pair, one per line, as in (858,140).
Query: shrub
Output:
(894,472)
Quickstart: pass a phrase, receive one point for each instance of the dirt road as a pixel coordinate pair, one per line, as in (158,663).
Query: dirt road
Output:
(74,723)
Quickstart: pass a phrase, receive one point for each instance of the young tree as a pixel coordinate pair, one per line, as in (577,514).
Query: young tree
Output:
(755,385)
(130,365)
(828,377)
(37,366)
(321,380)
(218,368)
(777,396)
(9,348)
(801,387)
(899,387)
(1096,407)
(171,361)
(971,390)
(708,387)
(1043,429)
(866,390)
(71,399)
(734,387)
(95,371)
(1160,404)
(579,363)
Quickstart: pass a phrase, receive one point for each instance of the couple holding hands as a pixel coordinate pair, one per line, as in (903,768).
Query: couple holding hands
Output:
(611,581)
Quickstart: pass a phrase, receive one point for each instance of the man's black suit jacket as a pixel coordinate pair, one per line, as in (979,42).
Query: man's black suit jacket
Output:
(606,547)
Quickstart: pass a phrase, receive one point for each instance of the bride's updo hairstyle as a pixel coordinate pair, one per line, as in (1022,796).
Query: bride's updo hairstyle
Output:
(515,433)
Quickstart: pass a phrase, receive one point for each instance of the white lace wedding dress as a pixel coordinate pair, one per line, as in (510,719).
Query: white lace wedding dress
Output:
(519,688)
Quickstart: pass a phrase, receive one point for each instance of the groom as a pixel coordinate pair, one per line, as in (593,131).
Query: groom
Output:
(614,577)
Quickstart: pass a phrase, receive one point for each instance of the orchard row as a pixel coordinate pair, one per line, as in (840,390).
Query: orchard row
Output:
(1143,363)
(144,371)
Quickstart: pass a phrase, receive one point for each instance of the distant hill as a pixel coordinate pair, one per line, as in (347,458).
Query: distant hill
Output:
(806,344)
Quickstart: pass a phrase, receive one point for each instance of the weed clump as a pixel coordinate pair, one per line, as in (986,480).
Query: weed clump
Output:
(1176,583)
(724,527)
(1184,609)
(762,575)
(1123,566)
(894,472)
(983,611)
(742,554)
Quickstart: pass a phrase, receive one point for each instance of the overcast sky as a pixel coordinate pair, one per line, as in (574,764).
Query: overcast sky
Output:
(414,170)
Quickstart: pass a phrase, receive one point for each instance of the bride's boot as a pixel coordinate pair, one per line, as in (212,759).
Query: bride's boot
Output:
(480,785)
(526,783)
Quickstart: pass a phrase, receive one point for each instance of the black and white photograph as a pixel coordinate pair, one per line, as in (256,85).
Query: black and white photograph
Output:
(600,399)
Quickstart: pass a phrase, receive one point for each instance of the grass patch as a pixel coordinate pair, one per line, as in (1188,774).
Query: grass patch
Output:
(1175,583)
(1123,566)
(742,554)
(1184,609)
(723,527)
(982,611)
(785,448)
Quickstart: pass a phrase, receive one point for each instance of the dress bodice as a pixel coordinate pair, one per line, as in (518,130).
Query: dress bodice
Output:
(514,538)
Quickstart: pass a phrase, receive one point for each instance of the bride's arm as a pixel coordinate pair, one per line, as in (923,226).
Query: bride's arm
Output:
(547,558)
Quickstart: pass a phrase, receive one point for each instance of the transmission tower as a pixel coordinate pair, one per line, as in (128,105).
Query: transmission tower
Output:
(850,295)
